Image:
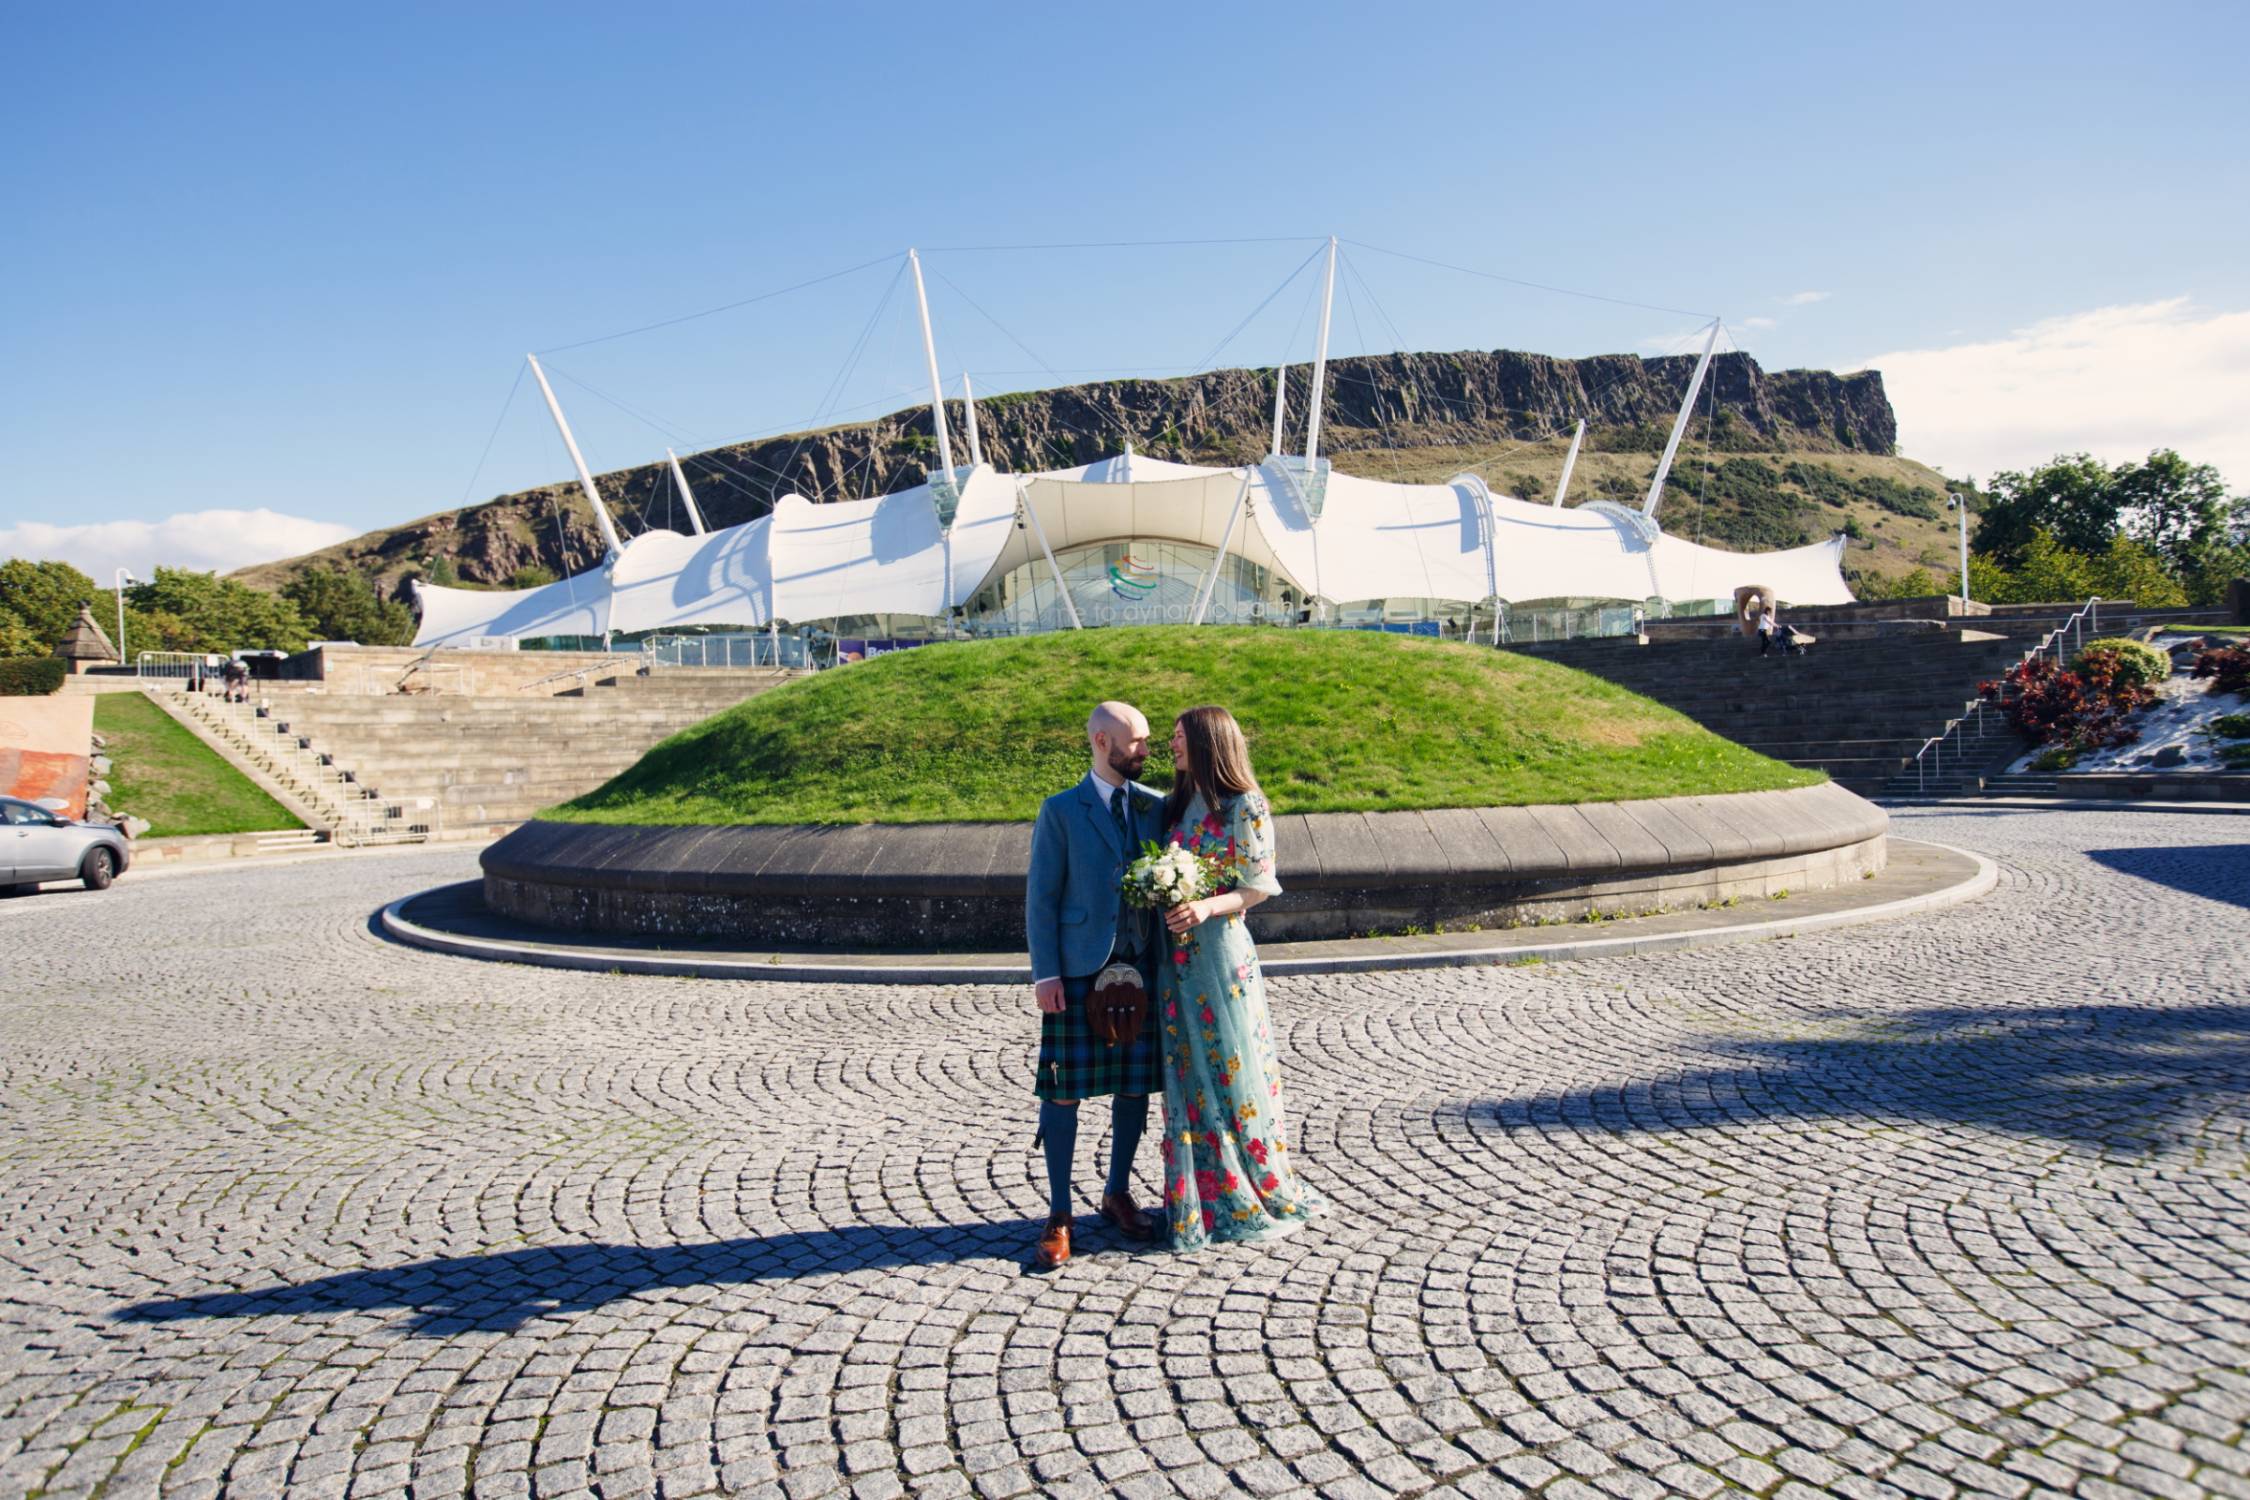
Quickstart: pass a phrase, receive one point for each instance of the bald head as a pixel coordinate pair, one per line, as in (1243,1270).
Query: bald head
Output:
(1118,734)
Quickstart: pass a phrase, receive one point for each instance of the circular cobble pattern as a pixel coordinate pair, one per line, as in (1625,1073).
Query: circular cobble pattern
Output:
(1949,1206)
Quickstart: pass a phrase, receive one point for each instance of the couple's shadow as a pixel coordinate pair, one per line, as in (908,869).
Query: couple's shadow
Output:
(501,1291)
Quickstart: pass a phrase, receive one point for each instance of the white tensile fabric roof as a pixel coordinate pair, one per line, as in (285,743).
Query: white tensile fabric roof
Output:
(1372,540)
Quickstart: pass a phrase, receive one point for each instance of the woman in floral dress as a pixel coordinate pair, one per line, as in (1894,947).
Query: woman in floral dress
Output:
(1227,1172)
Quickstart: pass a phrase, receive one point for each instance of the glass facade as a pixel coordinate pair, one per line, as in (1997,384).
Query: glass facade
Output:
(1130,583)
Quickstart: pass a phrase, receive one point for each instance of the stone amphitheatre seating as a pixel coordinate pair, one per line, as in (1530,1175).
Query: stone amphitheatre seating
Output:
(458,762)
(1860,705)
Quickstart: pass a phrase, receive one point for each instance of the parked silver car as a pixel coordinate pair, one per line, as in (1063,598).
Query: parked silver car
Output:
(37,845)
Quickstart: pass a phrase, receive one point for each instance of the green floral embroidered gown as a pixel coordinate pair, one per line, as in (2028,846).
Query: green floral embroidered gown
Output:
(1227,1173)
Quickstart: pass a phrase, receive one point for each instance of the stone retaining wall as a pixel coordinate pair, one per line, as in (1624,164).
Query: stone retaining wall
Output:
(960,885)
(450,670)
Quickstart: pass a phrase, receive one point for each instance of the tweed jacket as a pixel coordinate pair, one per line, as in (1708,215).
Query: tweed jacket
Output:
(1070,898)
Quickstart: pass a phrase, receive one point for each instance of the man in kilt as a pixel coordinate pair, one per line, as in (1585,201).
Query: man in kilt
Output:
(1077,922)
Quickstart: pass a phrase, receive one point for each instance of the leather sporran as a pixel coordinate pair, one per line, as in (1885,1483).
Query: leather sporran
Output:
(1117,1005)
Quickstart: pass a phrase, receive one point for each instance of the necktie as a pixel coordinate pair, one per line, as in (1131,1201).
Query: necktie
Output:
(1129,917)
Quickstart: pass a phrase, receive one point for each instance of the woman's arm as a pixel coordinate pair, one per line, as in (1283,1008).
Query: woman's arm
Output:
(1250,829)
(1180,918)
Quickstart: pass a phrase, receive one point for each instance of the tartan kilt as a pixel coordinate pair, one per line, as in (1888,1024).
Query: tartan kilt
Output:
(1076,1064)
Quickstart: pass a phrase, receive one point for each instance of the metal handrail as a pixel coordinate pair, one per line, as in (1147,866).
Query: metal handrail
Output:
(1974,708)
(311,775)
(582,673)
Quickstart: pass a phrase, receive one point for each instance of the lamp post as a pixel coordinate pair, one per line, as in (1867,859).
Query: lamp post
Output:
(124,576)
(1959,504)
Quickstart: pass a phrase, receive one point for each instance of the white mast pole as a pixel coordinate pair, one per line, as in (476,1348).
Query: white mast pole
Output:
(1280,406)
(1679,425)
(687,496)
(937,390)
(578,460)
(1218,560)
(1570,461)
(969,402)
(1031,512)
(1320,360)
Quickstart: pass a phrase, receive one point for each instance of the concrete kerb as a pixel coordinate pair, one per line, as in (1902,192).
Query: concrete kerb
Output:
(1923,877)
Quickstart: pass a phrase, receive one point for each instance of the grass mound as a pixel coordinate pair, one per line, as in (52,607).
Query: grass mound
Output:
(161,772)
(1338,721)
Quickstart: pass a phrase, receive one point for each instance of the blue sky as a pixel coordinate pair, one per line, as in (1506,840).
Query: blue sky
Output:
(288,259)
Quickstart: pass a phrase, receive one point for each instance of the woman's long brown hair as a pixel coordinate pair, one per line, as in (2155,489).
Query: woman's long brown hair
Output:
(1218,762)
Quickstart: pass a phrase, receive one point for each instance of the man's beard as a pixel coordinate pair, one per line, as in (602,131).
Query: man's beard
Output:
(1127,765)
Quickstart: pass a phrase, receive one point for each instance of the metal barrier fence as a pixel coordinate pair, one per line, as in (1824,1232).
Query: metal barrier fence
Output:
(733,650)
(172,666)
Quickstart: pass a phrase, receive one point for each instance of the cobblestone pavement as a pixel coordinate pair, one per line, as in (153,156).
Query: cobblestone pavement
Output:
(1951,1206)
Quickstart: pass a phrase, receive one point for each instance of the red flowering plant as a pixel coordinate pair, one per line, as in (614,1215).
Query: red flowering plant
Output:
(2080,710)
(2228,667)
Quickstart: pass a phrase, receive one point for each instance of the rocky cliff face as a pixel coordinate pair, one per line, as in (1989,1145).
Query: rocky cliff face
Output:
(1374,402)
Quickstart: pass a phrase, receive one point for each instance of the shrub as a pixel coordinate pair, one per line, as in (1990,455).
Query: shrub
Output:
(2232,726)
(2081,710)
(2235,757)
(2054,758)
(2134,662)
(31,676)
(2228,667)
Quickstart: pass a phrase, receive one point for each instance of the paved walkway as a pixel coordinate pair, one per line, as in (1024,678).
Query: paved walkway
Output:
(1954,1205)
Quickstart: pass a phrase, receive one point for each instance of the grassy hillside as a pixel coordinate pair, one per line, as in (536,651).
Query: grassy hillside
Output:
(161,772)
(1339,721)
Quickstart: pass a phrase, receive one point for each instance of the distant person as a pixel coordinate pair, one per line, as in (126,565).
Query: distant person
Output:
(237,676)
(1078,924)
(1766,625)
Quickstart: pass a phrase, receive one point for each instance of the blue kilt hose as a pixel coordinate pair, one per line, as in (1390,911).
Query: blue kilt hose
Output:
(1076,1064)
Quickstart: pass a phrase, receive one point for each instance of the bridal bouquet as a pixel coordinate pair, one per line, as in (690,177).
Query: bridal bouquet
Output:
(1170,876)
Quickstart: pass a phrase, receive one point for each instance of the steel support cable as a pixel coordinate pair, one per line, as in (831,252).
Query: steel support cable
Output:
(1382,423)
(844,373)
(1204,363)
(724,307)
(827,408)
(1352,272)
(1012,338)
(1269,239)
(1540,286)
(1549,432)
(680,436)
(1288,347)
(492,437)
(708,456)
(1710,425)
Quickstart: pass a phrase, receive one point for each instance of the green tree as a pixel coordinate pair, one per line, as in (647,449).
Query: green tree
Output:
(443,573)
(2072,497)
(2048,572)
(1915,583)
(18,639)
(40,600)
(2127,569)
(342,606)
(2182,512)
(209,613)
(1989,583)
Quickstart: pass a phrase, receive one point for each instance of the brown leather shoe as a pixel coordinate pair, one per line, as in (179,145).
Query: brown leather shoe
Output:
(1118,1209)
(1054,1245)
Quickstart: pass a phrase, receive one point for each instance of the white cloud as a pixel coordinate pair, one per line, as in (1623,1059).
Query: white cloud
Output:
(2115,382)
(1804,299)
(205,540)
